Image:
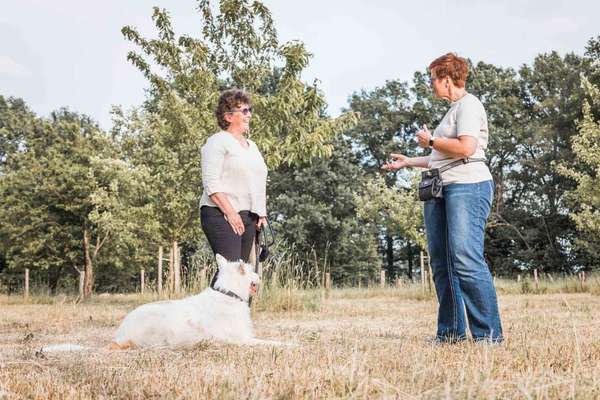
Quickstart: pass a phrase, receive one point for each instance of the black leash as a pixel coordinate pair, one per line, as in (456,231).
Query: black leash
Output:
(262,249)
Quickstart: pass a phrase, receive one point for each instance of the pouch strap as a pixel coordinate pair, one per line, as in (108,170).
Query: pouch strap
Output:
(462,161)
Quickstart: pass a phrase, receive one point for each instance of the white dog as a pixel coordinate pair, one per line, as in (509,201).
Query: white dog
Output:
(220,313)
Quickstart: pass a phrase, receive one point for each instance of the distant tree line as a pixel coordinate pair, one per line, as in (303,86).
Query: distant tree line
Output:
(75,198)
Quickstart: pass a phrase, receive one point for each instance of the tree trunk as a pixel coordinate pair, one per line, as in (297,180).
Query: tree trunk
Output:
(499,195)
(177,264)
(88,281)
(159,273)
(410,261)
(390,255)
(53,277)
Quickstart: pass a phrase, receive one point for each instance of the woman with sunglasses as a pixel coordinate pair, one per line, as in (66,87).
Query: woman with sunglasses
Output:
(455,223)
(234,176)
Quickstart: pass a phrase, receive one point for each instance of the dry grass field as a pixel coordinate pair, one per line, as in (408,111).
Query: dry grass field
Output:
(354,343)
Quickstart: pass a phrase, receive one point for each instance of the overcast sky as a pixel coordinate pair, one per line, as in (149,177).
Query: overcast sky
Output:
(71,52)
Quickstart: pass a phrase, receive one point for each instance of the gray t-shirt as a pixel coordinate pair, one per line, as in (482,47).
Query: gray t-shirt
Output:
(466,117)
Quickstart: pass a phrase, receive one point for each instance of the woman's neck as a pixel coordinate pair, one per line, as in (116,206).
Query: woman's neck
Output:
(239,136)
(238,133)
(457,94)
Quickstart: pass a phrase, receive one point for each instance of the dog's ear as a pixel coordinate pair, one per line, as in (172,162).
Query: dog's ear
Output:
(221,261)
(241,268)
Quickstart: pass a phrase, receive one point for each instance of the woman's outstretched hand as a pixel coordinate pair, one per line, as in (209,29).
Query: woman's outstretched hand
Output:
(399,161)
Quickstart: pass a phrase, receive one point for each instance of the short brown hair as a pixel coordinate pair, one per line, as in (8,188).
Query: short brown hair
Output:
(450,65)
(230,100)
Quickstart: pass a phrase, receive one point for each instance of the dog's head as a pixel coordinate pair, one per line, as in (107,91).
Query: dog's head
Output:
(237,276)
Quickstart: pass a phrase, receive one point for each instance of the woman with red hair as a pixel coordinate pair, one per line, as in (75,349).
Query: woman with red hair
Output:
(455,223)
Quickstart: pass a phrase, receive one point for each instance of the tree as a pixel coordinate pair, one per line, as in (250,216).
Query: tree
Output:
(387,125)
(16,124)
(238,47)
(587,191)
(66,196)
(314,212)
(552,98)
(585,197)
(396,209)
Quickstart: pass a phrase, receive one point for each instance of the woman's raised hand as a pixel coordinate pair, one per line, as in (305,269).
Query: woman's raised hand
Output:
(423,137)
(399,161)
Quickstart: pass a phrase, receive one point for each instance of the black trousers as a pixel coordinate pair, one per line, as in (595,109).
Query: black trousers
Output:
(221,237)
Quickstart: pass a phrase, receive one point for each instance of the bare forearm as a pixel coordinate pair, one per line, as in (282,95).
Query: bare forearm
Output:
(462,147)
(418,162)
(221,200)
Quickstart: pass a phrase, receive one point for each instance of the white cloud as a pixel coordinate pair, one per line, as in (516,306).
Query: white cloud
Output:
(9,68)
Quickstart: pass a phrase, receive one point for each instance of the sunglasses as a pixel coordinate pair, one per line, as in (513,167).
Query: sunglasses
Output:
(245,110)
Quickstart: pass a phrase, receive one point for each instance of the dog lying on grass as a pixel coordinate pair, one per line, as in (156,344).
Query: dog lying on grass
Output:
(218,313)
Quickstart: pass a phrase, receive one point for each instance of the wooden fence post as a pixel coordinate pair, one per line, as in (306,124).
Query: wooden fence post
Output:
(581,278)
(382,278)
(518,278)
(171,277)
(327,284)
(535,278)
(142,280)
(428,271)
(26,292)
(177,268)
(422,272)
(159,273)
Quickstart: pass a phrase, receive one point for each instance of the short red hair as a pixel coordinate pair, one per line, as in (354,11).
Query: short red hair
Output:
(450,65)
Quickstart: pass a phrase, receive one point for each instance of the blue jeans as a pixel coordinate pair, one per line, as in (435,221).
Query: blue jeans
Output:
(455,227)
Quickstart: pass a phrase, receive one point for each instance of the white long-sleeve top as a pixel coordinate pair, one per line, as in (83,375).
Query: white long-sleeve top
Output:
(239,172)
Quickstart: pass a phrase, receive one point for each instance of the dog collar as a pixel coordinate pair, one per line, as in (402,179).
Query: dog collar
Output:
(229,293)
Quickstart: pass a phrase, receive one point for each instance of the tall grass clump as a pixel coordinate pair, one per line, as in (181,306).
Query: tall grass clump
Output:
(545,285)
(290,281)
